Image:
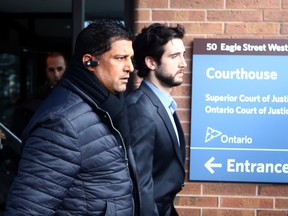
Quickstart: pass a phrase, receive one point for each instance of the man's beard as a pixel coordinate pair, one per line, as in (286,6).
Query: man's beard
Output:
(167,80)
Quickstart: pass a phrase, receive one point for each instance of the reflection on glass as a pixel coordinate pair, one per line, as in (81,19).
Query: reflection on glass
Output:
(9,85)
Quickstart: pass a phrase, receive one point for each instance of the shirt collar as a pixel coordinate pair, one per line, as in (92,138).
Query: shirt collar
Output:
(166,100)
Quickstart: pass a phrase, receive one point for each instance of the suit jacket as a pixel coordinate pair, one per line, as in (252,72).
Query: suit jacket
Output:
(159,158)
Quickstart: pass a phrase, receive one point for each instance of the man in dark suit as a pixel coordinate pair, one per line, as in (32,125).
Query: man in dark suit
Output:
(156,135)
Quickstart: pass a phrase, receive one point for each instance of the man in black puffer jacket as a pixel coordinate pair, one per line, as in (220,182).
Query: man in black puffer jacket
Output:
(76,158)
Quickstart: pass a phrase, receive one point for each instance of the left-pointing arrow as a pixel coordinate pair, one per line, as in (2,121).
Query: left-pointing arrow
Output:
(209,165)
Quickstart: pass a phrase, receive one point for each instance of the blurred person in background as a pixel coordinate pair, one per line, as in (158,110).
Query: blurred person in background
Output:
(55,67)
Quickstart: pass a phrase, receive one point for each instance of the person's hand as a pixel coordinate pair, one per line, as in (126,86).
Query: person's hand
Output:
(2,135)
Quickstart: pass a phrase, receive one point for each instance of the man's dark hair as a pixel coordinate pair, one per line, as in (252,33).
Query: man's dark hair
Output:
(56,54)
(97,37)
(151,42)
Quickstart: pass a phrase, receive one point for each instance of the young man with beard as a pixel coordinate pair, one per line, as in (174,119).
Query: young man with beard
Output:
(76,158)
(156,136)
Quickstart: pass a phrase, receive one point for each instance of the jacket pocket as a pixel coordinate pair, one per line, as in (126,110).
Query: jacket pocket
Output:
(110,208)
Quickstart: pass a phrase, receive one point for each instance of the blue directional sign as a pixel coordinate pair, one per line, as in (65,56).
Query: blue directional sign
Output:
(239,111)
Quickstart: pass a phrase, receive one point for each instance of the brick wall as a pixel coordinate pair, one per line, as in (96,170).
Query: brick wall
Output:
(220,19)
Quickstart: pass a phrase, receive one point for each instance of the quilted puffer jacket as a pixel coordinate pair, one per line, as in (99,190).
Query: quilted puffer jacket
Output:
(74,161)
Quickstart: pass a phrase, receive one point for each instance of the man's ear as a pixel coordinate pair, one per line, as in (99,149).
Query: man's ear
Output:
(150,62)
(85,60)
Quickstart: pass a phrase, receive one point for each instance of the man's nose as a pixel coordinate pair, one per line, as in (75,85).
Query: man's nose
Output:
(183,62)
(130,66)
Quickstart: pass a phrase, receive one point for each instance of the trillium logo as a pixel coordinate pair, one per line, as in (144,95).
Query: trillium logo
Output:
(211,134)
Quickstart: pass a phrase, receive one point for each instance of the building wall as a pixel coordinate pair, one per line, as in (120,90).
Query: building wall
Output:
(220,19)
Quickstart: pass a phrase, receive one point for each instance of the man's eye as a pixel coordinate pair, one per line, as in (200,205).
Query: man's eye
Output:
(52,69)
(60,68)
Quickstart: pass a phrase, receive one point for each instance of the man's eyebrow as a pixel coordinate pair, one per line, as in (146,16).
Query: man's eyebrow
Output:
(178,52)
(121,55)
(175,53)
